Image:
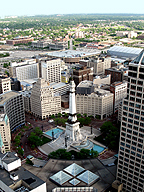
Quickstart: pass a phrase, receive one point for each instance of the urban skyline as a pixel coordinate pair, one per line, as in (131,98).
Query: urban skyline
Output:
(31,8)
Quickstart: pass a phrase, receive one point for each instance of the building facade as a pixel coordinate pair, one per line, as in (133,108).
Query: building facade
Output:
(16,41)
(12,105)
(130,169)
(24,70)
(5,84)
(51,70)
(119,89)
(116,74)
(82,74)
(5,132)
(99,103)
(99,65)
(43,100)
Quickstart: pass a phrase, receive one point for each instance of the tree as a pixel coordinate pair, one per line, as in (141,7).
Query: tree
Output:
(20,151)
(59,114)
(38,131)
(87,121)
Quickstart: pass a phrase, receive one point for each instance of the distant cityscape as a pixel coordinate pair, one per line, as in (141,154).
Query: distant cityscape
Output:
(71,103)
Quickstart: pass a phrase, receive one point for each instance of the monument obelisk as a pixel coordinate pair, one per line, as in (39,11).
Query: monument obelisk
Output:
(72,126)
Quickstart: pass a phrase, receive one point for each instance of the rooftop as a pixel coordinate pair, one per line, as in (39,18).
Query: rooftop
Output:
(31,180)
(85,84)
(53,166)
(8,157)
(72,53)
(139,59)
(7,95)
(125,49)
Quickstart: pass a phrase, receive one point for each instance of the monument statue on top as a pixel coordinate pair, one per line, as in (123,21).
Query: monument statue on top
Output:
(72,126)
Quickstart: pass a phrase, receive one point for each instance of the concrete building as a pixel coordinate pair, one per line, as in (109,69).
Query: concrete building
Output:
(41,44)
(5,133)
(59,45)
(119,89)
(24,70)
(99,65)
(51,70)
(81,74)
(27,102)
(43,100)
(11,104)
(85,87)
(130,170)
(102,80)
(60,88)
(98,103)
(5,84)
(14,178)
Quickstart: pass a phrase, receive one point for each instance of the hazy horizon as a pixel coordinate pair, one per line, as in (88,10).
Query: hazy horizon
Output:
(63,7)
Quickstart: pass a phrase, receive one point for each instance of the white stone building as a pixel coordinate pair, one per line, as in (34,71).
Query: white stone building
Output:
(24,70)
(5,133)
(99,64)
(5,84)
(98,103)
(43,100)
(119,89)
(51,70)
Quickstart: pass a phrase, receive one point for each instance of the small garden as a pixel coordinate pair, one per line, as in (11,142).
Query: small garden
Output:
(83,154)
(37,139)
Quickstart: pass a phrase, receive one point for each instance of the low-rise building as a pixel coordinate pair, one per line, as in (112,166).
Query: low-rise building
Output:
(85,87)
(15,178)
(20,40)
(60,88)
(41,44)
(59,45)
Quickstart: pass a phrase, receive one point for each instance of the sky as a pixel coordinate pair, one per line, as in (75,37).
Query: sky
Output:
(49,7)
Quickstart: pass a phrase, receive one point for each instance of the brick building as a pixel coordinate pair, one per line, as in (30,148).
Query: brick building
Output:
(116,74)
(22,40)
(81,74)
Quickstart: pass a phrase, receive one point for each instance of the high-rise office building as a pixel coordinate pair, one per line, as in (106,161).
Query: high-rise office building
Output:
(51,70)
(43,101)
(131,151)
(11,104)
